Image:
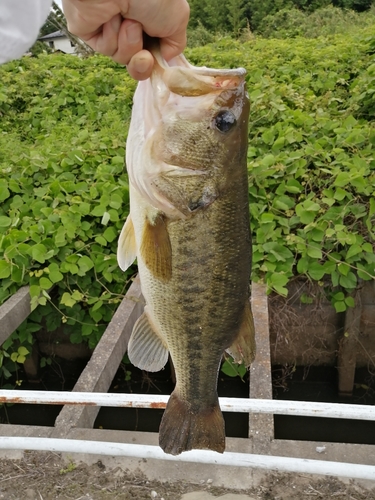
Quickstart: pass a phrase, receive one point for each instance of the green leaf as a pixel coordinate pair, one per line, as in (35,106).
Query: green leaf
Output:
(353,250)
(87,330)
(23,351)
(99,210)
(5,221)
(116,201)
(293,186)
(307,211)
(350,302)
(316,271)
(232,369)
(342,179)
(364,273)
(4,191)
(97,305)
(340,194)
(278,281)
(77,296)
(343,268)
(85,264)
(38,253)
(45,283)
(5,269)
(55,276)
(348,281)
(101,240)
(314,251)
(67,300)
(340,306)
(110,234)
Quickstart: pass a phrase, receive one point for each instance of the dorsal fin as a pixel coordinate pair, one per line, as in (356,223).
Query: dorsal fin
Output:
(243,348)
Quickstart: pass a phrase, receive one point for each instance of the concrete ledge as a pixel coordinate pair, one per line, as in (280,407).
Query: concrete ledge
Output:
(105,360)
(13,312)
(261,427)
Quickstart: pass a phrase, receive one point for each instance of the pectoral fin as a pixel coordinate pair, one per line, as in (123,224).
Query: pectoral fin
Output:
(126,248)
(243,348)
(156,250)
(146,349)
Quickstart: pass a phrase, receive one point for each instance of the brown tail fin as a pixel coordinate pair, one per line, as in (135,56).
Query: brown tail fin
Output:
(184,429)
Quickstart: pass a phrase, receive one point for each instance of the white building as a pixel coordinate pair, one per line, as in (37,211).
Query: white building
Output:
(58,41)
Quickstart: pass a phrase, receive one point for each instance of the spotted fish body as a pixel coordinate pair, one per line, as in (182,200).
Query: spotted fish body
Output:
(189,230)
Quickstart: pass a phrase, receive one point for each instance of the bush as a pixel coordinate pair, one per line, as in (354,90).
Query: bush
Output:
(199,36)
(290,23)
(310,158)
(64,190)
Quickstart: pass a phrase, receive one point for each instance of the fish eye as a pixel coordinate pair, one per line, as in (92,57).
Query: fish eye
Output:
(224,121)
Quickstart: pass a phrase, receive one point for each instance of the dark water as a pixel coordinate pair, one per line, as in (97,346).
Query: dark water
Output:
(148,420)
(314,384)
(320,384)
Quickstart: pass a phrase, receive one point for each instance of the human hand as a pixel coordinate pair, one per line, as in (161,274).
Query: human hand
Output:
(115,28)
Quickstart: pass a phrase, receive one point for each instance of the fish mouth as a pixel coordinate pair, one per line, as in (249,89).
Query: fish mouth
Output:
(184,79)
(177,84)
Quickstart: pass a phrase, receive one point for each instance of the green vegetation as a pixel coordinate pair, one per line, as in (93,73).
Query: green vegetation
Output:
(290,23)
(64,191)
(232,16)
(311,157)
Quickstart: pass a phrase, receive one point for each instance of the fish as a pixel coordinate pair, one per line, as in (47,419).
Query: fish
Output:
(189,230)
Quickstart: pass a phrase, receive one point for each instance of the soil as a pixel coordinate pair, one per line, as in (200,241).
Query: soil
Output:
(47,476)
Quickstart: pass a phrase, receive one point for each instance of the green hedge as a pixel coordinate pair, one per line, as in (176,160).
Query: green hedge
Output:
(64,191)
(311,157)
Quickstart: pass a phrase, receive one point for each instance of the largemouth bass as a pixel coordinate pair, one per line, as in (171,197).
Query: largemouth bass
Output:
(188,227)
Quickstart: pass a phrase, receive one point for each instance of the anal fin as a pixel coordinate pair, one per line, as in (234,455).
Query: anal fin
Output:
(156,250)
(243,348)
(146,349)
(127,247)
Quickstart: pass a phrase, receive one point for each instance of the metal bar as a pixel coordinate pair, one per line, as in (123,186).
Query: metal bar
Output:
(342,469)
(301,408)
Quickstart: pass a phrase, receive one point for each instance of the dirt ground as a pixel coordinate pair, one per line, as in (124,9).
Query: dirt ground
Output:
(46,476)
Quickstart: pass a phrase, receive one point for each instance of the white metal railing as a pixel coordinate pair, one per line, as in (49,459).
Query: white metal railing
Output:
(288,464)
(277,407)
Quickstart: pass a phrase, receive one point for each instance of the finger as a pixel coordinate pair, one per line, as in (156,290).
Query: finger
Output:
(173,46)
(130,41)
(106,41)
(140,65)
(173,43)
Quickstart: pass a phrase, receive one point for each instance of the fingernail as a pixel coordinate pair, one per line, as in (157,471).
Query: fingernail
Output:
(133,33)
(142,65)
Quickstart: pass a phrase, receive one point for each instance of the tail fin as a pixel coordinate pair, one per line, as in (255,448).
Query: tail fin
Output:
(184,429)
